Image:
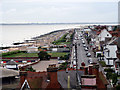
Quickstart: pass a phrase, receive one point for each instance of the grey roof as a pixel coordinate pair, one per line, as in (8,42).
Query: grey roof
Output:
(12,62)
(63,78)
(8,72)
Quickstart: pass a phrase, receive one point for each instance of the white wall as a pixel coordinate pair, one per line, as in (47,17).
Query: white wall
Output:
(104,34)
(11,66)
(112,54)
(112,51)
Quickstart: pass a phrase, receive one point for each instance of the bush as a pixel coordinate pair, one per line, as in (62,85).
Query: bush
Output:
(112,76)
(109,70)
(30,69)
(117,87)
(65,57)
(103,64)
(63,66)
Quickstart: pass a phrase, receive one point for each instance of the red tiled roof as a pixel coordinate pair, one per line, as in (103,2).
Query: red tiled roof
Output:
(101,82)
(37,79)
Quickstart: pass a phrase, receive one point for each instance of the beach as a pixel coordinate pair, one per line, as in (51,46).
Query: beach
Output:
(18,33)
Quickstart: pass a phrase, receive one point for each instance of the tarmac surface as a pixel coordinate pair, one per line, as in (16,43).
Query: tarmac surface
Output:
(43,65)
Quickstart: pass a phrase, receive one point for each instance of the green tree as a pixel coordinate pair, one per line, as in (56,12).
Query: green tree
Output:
(30,69)
(44,55)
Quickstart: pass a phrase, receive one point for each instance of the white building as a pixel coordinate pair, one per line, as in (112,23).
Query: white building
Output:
(32,49)
(110,54)
(104,34)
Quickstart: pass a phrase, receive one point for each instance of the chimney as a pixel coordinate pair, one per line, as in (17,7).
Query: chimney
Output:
(86,70)
(90,69)
(23,76)
(95,70)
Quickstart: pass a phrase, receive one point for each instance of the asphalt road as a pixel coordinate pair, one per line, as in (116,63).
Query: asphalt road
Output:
(81,53)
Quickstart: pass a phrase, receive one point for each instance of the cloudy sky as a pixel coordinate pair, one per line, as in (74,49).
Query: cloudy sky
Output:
(58,11)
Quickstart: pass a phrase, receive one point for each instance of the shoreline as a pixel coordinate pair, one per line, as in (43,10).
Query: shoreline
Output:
(32,39)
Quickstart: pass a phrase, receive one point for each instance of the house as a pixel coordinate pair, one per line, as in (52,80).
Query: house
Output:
(33,80)
(110,52)
(32,49)
(12,65)
(8,78)
(104,34)
(118,55)
(37,80)
(62,79)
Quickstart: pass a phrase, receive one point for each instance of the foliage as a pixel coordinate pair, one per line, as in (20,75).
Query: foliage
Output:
(58,54)
(65,57)
(103,64)
(12,53)
(109,70)
(44,55)
(117,87)
(23,55)
(111,75)
(114,78)
(63,66)
(62,39)
(30,69)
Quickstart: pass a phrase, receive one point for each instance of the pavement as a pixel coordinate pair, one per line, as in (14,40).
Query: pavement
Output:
(43,65)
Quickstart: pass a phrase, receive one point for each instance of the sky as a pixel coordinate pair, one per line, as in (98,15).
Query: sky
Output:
(58,11)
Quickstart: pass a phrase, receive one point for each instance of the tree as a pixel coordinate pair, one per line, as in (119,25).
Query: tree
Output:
(30,69)
(44,55)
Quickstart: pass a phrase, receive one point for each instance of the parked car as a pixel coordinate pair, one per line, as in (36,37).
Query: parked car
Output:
(88,55)
(84,45)
(90,60)
(83,42)
(86,49)
(87,52)
(61,61)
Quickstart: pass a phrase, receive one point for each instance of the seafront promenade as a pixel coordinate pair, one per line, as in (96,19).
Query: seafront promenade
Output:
(43,40)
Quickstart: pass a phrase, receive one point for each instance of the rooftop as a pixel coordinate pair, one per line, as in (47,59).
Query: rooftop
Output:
(8,72)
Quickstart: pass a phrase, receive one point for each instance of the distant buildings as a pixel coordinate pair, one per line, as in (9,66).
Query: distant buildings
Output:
(32,49)
(12,65)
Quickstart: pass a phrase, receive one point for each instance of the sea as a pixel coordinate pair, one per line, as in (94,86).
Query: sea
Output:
(10,34)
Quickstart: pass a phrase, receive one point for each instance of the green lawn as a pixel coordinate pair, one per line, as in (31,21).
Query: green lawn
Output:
(23,55)
(58,54)
(53,54)
(59,43)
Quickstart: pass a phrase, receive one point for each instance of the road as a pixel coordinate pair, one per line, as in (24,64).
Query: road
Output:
(81,53)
